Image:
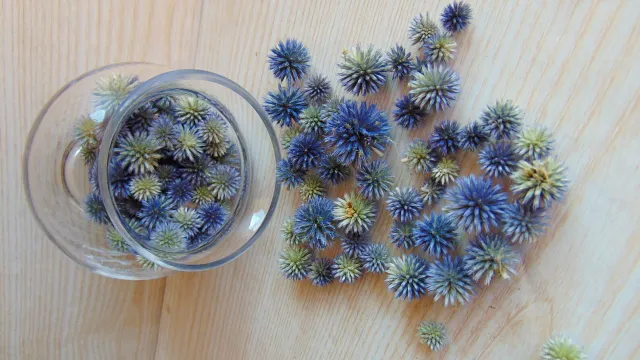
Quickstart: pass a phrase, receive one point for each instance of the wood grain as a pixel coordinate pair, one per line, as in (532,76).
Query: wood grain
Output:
(571,64)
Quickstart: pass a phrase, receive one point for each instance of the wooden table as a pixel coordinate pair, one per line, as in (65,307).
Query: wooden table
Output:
(573,65)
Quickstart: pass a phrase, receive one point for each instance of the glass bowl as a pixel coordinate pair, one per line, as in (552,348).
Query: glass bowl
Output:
(57,179)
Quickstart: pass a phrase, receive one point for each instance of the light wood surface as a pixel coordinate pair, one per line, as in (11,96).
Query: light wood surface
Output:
(573,65)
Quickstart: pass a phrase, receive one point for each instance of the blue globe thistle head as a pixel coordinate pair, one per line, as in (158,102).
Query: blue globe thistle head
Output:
(333,170)
(155,211)
(110,91)
(199,171)
(311,121)
(119,179)
(446,171)
(407,113)
(312,186)
(448,279)
(142,118)
(145,186)
(498,159)
(420,157)
(534,143)
(355,132)
(289,60)
(191,110)
(314,221)
(317,89)
(355,244)
(434,87)
(404,204)
(321,272)
(376,258)
(87,131)
(188,220)
(540,182)
(431,192)
(94,208)
(445,137)
(522,223)
(166,174)
(433,334)
(138,152)
(306,151)
(289,175)
(165,104)
(363,70)
(331,108)
(347,269)
(374,179)
(295,262)
(203,195)
(421,29)
(169,236)
(285,106)
(473,136)
(224,182)
(288,233)
(456,16)
(212,129)
(476,204)
(440,48)
(436,234)
(354,213)
(213,216)
(562,348)
(502,119)
(289,134)
(180,191)
(399,62)
(401,235)
(188,144)
(407,277)
(491,255)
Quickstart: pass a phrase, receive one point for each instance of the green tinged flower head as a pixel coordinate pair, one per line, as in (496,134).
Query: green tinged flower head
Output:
(420,157)
(288,135)
(491,255)
(203,195)
(432,334)
(191,110)
(311,121)
(502,119)
(312,186)
(111,91)
(289,235)
(431,192)
(89,153)
(331,107)
(421,29)
(219,150)
(321,273)
(534,143)
(138,152)
(440,48)
(169,236)
(562,348)
(362,70)
(354,213)
(347,269)
(188,219)
(87,131)
(295,262)
(434,87)
(212,129)
(188,144)
(116,240)
(145,186)
(539,182)
(147,264)
(445,172)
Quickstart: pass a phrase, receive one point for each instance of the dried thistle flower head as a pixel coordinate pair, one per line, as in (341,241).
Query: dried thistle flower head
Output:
(285,106)
(473,136)
(213,216)
(155,211)
(188,220)
(188,144)
(213,129)
(169,236)
(311,187)
(87,131)
(522,223)
(317,89)
(355,244)
(374,179)
(191,110)
(502,119)
(445,137)
(311,121)
(347,269)
(306,151)
(314,221)
(89,153)
(224,182)
(434,87)
(197,172)
(447,279)
(440,48)
(407,277)
(404,204)
(288,174)
(328,110)
(432,334)
(562,348)
(421,29)
(420,157)
(445,172)
(476,204)
(456,16)
(138,152)
(164,132)
(399,62)
(333,170)
(111,90)
(539,182)
(117,242)
(354,213)
(94,208)
(145,186)
(289,60)
(119,179)
(288,135)
(203,194)
(431,192)
(491,255)
(289,235)
(534,143)
(376,258)
(166,174)
(362,70)
(142,118)
(320,272)
(498,159)
(295,262)
(407,113)
(436,234)
(401,235)
(146,263)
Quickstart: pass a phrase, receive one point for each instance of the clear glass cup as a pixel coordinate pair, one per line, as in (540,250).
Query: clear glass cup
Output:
(56,178)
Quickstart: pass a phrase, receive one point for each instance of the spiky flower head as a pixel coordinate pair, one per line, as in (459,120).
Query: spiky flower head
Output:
(445,172)
(197,172)
(498,159)
(295,262)
(331,107)
(491,255)
(432,334)
(456,16)
(306,151)
(447,279)
(431,192)
(355,244)
(285,106)
(213,129)
(311,121)
(312,186)
(434,87)
(522,223)
(420,157)
(169,236)
(166,174)
(155,211)
(404,204)
(320,272)
(191,110)
(376,258)
(421,29)
(476,204)
(180,191)
(535,142)
(502,119)
(288,174)
(203,194)
(119,179)
(89,153)
(231,155)
(289,235)
(407,113)
(138,152)
(407,277)
(165,104)
(87,131)
(116,241)
(317,89)
(374,179)
(111,91)
(440,48)
(399,62)
(218,150)
(363,70)
(436,234)
(142,118)
(289,60)
(145,186)
(401,235)
(354,213)
(224,182)
(188,219)
(289,134)
(94,208)
(347,269)
(146,263)
(445,137)
(188,145)
(314,221)
(562,348)
(539,182)
(472,136)
(332,170)
(213,216)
